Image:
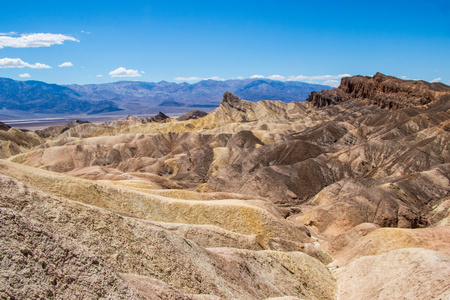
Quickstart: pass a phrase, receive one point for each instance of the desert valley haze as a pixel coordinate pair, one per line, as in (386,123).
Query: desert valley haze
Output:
(344,196)
(29,104)
(225,150)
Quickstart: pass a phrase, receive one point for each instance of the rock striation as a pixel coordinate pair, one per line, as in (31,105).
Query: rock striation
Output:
(385,91)
(14,141)
(144,252)
(38,262)
(54,131)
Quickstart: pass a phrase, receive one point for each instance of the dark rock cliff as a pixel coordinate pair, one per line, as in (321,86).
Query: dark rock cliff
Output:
(381,90)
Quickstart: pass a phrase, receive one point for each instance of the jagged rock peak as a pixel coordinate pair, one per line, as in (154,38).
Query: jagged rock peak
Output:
(4,127)
(156,118)
(75,123)
(230,99)
(195,114)
(160,117)
(232,102)
(382,90)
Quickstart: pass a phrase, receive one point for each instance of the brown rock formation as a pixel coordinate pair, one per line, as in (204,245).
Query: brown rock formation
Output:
(15,141)
(4,127)
(53,131)
(195,114)
(384,91)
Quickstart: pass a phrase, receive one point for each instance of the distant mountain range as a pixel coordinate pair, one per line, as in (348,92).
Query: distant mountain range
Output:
(132,97)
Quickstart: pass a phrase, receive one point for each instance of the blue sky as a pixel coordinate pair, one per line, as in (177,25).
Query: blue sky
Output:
(312,41)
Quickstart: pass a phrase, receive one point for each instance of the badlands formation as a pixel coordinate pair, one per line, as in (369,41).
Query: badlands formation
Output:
(345,196)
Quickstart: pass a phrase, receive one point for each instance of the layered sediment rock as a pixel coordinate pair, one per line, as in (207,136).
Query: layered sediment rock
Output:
(381,90)
(14,141)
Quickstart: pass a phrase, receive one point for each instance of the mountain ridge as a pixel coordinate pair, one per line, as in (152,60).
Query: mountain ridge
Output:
(138,97)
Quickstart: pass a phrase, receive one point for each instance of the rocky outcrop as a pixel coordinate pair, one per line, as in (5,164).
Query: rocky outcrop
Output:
(4,127)
(381,90)
(157,118)
(195,114)
(15,141)
(395,202)
(134,120)
(327,97)
(53,131)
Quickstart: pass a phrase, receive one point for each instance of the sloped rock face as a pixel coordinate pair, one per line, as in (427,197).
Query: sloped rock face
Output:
(370,239)
(394,202)
(53,131)
(195,114)
(407,273)
(145,253)
(4,127)
(14,141)
(38,262)
(381,90)
(133,120)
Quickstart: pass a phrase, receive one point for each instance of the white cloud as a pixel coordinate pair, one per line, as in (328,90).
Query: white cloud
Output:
(11,33)
(216,78)
(317,77)
(193,78)
(187,79)
(276,77)
(25,75)
(99,75)
(66,64)
(39,66)
(122,72)
(256,76)
(34,40)
(333,83)
(331,80)
(18,63)
(436,80)
(404,77)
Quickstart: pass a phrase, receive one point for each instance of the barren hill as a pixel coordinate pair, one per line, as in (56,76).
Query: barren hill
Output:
(254,200)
